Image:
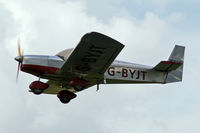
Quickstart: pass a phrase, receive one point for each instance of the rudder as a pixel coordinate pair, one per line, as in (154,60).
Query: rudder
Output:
(177,55)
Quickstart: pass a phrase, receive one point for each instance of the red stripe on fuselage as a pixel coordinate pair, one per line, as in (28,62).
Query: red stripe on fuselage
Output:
(40,69)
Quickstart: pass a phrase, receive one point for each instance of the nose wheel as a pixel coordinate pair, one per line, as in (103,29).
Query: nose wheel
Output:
(65,100)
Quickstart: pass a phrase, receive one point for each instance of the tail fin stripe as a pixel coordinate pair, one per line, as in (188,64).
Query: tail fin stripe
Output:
(167,66)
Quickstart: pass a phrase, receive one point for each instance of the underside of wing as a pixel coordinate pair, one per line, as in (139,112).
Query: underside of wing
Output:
(92,56)
(56,86)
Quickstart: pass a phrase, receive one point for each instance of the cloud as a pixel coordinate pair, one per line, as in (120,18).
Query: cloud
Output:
(55,23)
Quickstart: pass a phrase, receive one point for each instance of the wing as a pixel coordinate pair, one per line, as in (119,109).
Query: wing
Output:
(92,56)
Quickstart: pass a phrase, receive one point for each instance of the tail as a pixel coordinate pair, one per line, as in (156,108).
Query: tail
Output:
(174,66)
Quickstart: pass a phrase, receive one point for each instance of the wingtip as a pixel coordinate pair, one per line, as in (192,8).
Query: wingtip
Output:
(180,46)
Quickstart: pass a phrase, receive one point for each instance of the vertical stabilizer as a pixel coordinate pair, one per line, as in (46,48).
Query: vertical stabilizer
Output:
(176,56)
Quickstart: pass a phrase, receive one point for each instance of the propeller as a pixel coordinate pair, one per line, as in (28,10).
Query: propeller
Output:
(19,58)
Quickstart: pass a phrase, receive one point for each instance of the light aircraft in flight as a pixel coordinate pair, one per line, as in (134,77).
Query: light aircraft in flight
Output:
(92,62)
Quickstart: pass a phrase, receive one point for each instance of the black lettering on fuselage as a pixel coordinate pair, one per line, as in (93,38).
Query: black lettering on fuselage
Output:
(126,73)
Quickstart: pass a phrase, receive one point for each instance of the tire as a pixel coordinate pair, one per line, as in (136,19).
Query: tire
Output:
(78,88)
(37,91)
(64,100)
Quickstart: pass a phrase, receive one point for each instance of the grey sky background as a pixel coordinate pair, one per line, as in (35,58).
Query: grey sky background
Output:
(148,29)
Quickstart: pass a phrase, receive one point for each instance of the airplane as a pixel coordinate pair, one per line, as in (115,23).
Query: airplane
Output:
(92,62)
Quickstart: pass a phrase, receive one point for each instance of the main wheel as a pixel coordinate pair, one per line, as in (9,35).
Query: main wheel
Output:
(37,91)
(64,100)
(78,88)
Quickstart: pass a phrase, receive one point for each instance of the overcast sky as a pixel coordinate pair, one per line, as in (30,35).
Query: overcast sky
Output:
(149,29)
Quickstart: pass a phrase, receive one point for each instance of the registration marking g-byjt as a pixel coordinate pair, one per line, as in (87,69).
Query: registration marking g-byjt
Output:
(127,72)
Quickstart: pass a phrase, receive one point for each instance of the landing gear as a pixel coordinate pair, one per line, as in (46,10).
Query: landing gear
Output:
(97,86)
(37,91)
(78,88)
(65,96)
(37,87)
(64,100)
(79,84)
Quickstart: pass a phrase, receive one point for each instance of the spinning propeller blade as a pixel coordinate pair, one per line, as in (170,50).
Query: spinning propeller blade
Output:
(19,58)
(17,72)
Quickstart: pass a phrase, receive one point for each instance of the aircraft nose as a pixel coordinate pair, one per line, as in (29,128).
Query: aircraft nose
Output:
(18,58)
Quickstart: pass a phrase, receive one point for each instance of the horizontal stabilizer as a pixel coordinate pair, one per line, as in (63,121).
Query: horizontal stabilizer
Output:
(167,66)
